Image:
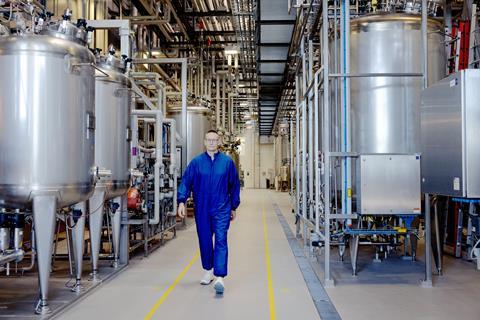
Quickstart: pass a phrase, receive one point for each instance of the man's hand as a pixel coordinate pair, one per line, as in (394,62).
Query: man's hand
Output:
(233,215)
(181,210)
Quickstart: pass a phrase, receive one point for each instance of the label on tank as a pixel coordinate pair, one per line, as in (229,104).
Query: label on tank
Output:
(456,184)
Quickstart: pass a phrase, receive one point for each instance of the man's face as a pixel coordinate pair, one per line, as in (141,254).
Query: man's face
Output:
(212,141)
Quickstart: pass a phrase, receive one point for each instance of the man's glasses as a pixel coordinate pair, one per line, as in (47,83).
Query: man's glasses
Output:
(211,140)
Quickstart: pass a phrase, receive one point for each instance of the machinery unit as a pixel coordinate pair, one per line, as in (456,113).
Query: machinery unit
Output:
(152,200)
(198,122)
(450,115)
(358,147)
(47,128)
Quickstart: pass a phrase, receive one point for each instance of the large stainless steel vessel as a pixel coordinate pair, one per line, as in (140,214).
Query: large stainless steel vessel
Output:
(112,112)
(112,149)
(47,120)
(46,129)
(385,111)
(198,123)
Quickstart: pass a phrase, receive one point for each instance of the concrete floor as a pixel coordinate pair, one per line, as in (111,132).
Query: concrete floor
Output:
(390,290)
(133,294)
(386,290)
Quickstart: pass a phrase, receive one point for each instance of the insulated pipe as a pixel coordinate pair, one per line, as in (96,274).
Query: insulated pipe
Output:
(157,115)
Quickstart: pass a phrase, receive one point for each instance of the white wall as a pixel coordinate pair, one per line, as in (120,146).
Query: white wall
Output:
(249,157)
(257,160)
(267,164)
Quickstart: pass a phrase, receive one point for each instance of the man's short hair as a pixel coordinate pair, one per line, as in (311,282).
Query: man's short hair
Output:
(212,131)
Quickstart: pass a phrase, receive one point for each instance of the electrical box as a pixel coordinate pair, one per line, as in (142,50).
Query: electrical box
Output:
(388,184)
(450,136)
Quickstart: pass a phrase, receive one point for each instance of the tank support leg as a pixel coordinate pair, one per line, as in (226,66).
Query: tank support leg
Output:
(116,224)
(78,238)
(96,220)
(44,214)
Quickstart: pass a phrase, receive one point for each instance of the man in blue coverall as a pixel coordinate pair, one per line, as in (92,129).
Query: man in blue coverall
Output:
(213,178)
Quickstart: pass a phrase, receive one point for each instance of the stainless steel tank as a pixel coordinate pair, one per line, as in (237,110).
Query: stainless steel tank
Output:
(112,150)
(112,114)
(46,129)
(47,119)
(385,112)
(198,123)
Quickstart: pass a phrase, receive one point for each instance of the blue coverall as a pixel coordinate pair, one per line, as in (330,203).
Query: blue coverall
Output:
(216,192)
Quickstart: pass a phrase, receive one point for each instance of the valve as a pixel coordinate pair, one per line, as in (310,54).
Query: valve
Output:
(67,15)
(82,23)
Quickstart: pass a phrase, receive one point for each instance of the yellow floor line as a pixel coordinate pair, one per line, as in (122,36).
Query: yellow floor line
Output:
(271,295)
(172,286)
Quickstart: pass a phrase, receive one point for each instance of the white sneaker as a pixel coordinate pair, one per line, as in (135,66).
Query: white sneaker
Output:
(219,286)
(207,277)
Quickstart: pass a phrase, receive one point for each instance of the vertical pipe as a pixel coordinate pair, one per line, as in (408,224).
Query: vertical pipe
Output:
(304,167)
(304,139)
(297,158)
(345,66)
(184,112)
(428,244)
(315,155)
(217,107)
(173,164)
(231,114)
(326,140)
(224,107)
(425,43)
(311,152)
(202,91)
(291,155)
